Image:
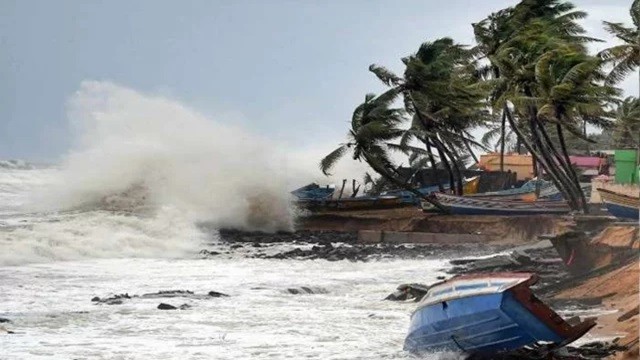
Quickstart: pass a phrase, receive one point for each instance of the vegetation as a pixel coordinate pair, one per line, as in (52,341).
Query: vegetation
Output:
(529,79)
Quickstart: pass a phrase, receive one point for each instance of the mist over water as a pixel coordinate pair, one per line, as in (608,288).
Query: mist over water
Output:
(143,171)
(209,171)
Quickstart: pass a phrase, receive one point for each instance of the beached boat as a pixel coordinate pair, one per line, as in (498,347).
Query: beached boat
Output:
(526,192)
(470,186)
(486,314)
(314,191)
(358,203)
(463,205)
(620,205)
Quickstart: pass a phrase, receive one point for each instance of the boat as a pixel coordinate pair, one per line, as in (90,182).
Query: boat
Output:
(620,205)
(552,192)
(357,203)
(470,186)
(487,314)
(462,205)
(314,191)
(526,192)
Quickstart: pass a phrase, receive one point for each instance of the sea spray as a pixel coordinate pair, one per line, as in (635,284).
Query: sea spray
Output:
(209,171)
(143,172)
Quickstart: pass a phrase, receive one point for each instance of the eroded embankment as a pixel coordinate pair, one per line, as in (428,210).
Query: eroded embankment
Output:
(493,229)
(615,281)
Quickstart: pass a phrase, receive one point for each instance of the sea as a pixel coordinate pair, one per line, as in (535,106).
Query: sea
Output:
(121,212)
(53,263)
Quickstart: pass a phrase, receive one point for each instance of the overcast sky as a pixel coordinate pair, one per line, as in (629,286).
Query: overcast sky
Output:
(289,70)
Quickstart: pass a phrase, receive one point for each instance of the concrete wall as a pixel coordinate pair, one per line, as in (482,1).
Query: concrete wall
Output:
(398,237)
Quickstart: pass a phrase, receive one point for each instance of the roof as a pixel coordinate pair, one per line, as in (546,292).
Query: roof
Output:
(586,161)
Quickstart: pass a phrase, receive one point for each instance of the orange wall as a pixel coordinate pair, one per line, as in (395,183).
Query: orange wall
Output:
(520,164)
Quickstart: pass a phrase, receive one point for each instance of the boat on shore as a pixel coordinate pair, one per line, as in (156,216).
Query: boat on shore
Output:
(487,314)
(357,203)
(620,205)
(461,205)
(526,192)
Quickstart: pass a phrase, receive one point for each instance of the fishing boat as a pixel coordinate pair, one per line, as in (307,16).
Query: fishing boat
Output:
(620,205)
(314,191)
(478,206)
(470,186)
(487,314)
(526,192)
(357,203)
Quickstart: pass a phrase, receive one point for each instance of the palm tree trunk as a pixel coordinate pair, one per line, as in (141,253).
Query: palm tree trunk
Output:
(452,168)
(572,172)
(466,144)
(432,160)
(530,147)
(557,164)
(447,166)
(385,174)
(502,135)
(565,169)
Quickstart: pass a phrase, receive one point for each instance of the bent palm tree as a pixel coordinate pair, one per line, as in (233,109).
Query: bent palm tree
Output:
(625,57)
(373,125)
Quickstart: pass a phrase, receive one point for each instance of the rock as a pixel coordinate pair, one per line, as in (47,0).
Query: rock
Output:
(95,298)
(4,320)
(168,294)
(306,290)
(404,292)
(5,331)
(217,294)
(164,306)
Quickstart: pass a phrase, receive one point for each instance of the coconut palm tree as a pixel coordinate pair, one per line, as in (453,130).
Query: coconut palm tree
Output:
(569,93)
(625,57)
(374,124)
(626,133)
(444,99)
(544,32)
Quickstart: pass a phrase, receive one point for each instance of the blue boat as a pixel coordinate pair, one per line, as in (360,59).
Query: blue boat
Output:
(486,314)
(620,205)
(313,192)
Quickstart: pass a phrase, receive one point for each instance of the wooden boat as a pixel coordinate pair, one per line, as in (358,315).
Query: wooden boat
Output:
(620,205)
(477,206)
(526,192)
(313,191)
(486,314)
(470,186)
(358,203)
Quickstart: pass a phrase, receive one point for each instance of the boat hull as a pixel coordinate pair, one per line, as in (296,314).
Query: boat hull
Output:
(622,211)
(488,323)
(486,314)
(458,205)
(620,205)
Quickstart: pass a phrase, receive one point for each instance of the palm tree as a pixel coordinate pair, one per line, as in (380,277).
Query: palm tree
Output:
(545,30)
(567,94)
(444,99)
(373,125)
(626,133)
(625,57)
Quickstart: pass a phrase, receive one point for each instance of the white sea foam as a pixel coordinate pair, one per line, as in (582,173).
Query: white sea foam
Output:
(207,170)
(142,172)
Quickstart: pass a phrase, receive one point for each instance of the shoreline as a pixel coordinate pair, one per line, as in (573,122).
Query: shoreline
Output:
(609,290)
